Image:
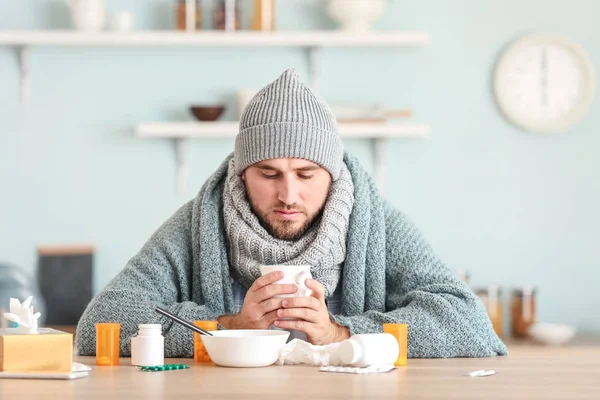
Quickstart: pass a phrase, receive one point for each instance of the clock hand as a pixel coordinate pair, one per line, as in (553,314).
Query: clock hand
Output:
(544,78)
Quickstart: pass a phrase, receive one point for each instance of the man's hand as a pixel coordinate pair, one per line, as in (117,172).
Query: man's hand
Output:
(260,307)
(312,317)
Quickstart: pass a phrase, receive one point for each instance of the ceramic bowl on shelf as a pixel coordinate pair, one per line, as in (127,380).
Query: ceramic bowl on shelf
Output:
(551,334)
(356,15)
(207,112)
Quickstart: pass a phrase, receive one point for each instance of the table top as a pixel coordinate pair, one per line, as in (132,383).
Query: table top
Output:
(529,372)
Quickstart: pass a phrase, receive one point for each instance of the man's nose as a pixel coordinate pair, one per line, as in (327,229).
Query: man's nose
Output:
(287,191)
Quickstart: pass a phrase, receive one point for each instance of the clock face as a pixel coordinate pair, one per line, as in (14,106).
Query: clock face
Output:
(544,83)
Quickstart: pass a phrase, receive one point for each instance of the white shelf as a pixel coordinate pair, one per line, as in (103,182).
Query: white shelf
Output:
(186,130)
(331,38)
(181,132)
(22,41)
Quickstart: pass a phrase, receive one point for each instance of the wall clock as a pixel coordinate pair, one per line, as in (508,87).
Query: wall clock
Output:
(544,83)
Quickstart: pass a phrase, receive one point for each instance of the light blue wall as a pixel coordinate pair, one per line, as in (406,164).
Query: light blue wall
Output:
(510,207)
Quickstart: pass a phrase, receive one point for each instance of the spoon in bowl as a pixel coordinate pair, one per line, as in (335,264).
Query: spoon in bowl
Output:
(182,322)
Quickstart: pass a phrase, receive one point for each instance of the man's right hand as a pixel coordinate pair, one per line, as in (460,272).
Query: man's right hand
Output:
(260,307)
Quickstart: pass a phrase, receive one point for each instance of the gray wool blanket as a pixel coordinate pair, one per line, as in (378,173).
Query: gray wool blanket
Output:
(390,275)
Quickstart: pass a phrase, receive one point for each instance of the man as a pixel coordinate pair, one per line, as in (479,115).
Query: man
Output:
(290,195)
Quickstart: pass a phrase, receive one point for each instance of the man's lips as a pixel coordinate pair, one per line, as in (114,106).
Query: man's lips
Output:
(287,214)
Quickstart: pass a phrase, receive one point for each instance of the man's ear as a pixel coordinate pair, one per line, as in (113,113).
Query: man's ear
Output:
(243,176)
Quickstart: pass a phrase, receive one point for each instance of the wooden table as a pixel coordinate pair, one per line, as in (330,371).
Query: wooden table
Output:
(529,372)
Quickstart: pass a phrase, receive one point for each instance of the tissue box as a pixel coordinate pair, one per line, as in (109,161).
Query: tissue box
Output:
(47,350)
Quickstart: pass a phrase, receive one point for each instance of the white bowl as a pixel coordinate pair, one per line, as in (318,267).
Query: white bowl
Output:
(551,334)
(245,348)
(355,15)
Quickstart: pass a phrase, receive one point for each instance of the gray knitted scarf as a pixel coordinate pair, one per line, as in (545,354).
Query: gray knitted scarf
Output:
(323,245)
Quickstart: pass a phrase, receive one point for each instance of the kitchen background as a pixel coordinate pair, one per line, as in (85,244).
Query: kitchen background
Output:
(510,207)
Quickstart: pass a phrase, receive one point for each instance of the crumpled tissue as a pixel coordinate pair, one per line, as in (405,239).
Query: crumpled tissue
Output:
(298,351)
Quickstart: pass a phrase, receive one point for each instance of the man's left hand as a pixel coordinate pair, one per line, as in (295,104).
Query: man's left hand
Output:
(312,317)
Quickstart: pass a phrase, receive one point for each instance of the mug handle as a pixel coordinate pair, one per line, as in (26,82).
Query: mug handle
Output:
(300,281)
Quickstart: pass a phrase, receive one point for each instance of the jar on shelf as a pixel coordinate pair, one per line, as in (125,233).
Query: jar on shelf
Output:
(523,309)
(189,15)
(227,15)
(264,15)
(491,299)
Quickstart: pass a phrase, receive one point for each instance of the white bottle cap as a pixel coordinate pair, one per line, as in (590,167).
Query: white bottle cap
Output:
(149,326)
(350,351)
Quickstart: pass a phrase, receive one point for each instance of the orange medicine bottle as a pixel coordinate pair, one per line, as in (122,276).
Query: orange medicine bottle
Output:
(200,353)
(400,332)
(108,343)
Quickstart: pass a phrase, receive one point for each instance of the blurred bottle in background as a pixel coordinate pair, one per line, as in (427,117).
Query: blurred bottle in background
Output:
(227,15)
(188,15)
(491,298)
(264,15)
(523,310)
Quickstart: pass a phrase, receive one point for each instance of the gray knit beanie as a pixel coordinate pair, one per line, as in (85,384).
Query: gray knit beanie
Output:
(285,119)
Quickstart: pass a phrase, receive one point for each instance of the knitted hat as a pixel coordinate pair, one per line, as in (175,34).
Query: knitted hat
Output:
(285,119)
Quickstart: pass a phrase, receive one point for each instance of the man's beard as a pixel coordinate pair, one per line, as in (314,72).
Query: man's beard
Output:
(282,229)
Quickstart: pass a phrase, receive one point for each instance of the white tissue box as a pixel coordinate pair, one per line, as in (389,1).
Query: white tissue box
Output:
(47,350)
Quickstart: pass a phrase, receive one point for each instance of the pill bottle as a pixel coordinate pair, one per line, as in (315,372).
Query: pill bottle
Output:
(200,352)
(368,349)
(148,347)
(400,332)
(107,343)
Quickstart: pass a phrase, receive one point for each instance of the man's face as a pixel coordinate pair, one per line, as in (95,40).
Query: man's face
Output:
(287,194)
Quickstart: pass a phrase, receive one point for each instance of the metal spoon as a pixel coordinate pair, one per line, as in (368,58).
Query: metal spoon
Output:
(182,322)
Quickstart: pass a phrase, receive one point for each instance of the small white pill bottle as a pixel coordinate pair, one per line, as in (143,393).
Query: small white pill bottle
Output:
(369,349)
(148,347)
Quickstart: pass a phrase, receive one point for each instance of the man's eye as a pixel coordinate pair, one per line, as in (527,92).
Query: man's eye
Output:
(305,176)
(270,176)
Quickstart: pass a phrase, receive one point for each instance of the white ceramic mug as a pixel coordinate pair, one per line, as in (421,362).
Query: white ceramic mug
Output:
(88,15)
(292,274)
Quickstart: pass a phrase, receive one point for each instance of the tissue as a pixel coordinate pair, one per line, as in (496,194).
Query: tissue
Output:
(22,314)
(298,351)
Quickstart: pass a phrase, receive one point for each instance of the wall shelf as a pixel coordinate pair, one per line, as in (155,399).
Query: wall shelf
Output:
(211,38)
(22,41)
(181,132)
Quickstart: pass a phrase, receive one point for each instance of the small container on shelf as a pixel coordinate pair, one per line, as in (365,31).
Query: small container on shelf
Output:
(491,299)
(523,308)
(189,15)
(207,112)
(264,15)
(227,15)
